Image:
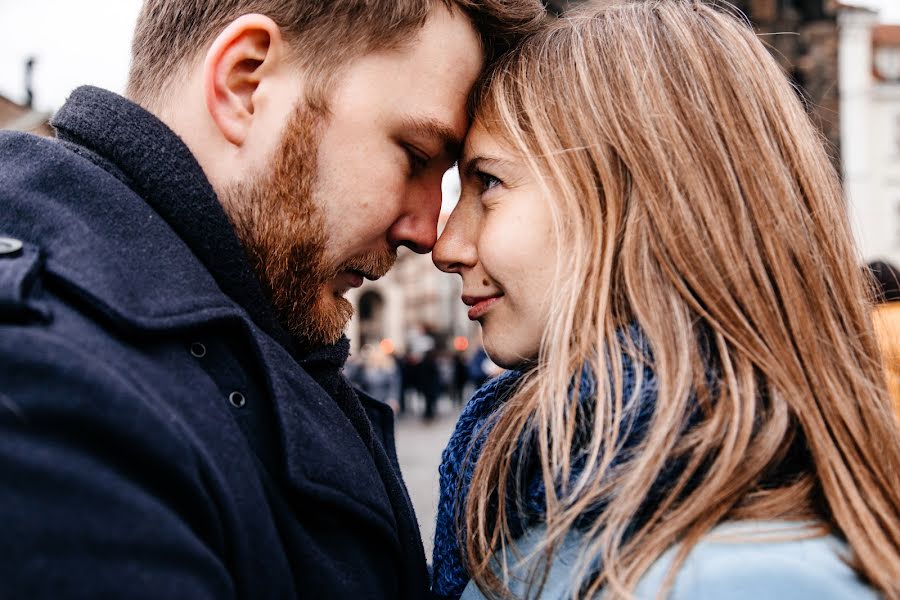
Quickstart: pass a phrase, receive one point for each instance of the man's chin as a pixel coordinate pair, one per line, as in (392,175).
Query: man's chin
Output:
(325,323)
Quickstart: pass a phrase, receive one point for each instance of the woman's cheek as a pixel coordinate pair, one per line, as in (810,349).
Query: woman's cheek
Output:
(504,248)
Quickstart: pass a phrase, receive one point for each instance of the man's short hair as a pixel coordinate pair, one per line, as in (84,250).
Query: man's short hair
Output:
(324,34)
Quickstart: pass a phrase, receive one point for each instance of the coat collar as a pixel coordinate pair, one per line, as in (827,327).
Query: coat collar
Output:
(103,243)
(141,151)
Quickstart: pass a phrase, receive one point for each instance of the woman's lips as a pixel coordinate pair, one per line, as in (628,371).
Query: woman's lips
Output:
(481,305)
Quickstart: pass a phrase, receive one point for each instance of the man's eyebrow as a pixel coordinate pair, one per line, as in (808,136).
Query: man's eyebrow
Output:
(451,143)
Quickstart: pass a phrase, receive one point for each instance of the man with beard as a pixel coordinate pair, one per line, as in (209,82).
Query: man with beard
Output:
(173,421)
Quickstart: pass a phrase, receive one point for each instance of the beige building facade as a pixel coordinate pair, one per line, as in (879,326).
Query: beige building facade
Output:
(870,131)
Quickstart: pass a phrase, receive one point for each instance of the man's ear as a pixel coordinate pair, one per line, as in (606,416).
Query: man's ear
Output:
(240,57)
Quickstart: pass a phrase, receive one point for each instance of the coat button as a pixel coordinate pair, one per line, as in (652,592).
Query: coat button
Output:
(198,350)
(237,399)
(9,247)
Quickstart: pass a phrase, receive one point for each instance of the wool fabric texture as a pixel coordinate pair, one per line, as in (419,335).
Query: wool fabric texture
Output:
(144,374)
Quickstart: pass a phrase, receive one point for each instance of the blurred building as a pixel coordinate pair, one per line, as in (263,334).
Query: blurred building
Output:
(870,123)
(22,118)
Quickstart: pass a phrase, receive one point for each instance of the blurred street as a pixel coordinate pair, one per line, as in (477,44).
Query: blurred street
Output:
(419,447)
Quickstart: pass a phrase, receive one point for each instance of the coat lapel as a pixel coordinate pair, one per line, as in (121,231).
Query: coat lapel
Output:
(125,262)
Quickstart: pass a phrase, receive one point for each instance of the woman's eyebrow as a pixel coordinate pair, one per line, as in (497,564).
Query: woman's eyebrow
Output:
(471,165)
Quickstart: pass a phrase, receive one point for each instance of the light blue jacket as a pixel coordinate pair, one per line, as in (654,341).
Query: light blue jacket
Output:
(735,561)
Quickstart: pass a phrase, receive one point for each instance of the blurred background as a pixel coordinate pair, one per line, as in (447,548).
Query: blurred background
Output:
(413,345)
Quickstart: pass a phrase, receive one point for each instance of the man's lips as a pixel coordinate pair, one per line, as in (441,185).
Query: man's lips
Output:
(480,304)
(353,278)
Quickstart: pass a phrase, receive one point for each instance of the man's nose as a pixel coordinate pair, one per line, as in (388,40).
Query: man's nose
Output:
(416,228)
(455,250)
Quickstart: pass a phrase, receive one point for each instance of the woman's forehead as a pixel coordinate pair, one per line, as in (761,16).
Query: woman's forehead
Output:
(482,141)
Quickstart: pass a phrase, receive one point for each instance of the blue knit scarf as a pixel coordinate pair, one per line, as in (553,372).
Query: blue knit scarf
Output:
(449,577)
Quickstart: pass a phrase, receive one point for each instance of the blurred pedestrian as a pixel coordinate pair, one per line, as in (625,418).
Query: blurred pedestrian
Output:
(430,383)
(886,317)
(378,375)
(460,380)
(481,368)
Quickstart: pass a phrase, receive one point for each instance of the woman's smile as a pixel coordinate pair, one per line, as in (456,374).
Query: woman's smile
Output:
(480,305)
(501,241)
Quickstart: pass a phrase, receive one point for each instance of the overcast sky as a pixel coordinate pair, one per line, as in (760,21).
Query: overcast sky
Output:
(87,41)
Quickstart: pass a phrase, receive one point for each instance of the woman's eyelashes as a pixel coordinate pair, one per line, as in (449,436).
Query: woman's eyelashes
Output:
(487,181)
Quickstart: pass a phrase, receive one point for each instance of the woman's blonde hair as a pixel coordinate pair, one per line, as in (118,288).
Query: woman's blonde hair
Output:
(698,206)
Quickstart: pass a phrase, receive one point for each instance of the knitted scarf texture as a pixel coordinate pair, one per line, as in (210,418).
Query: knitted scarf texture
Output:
(449,577)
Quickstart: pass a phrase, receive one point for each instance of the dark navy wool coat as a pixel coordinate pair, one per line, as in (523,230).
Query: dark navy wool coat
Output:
(159,436)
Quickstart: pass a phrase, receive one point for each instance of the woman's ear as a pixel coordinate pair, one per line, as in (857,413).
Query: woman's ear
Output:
(246,52)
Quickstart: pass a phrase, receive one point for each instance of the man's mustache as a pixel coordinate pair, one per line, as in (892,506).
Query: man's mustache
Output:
(372,265)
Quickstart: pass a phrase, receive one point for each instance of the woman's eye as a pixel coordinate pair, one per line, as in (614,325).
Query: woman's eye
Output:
(488,181)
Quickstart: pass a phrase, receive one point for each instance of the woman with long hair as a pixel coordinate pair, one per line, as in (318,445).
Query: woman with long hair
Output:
(655,243)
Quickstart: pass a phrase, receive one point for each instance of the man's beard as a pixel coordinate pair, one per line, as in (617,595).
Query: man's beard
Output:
(284,232)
